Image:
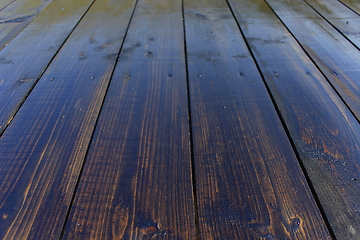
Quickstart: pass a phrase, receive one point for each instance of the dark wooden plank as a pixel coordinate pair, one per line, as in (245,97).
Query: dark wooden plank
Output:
(16,16)
(352,4)
(341,17)
(136,183)
(324,132)
(43,149)
(23,61)
(249,182)
(337,58)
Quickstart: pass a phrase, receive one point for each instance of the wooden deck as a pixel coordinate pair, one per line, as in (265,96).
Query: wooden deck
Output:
(180,119)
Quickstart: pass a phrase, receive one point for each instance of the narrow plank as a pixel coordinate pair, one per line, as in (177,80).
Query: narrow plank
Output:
(338,59)
(136,182)
(341,17)
(43,149)
(249,182)
(24,60)
(5,3)
(324,132)
(352,4)
(16,16)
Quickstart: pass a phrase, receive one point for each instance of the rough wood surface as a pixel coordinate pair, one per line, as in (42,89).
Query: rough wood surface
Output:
(27,56)
(336,57)
(352,4)
(342,18)
(322,129)
(17,15)
(132,119)
(248,180)
(136,183)
(43,149)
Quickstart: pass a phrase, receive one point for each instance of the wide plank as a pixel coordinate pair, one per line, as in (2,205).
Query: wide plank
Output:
(136,182)
(16,16)
(43,149)
(323,130)
(352,4)
(24,60)
(337,58)
(342,18)
(249,183)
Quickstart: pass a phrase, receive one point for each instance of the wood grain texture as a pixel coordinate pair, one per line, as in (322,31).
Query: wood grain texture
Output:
(337,59)
(16,16)
(248,179)
(24,60)
(136,182)
(324,132)
(5,3)
(43,149)
(342,18)
(352,4)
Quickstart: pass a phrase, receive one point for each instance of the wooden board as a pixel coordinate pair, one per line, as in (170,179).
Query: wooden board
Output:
(24,60)
(342,18)
(322,129)
(352,4)
(337,59)
(43,149)
(5,3)
(249,183)
(16,16)
(136,183)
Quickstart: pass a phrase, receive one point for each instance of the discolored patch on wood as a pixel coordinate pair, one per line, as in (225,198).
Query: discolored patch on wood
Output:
(149,54)
(295,224)
(4,60)
(83,56)
(120,221)
(151,230)
(25,80)
(260,230)
(111,56)
(154,230)
(128,50)
(16,20)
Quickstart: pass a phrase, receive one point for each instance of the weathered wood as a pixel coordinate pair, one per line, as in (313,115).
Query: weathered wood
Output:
(324,132)
(352,4)
(337,58)
(23,61)
(16,16)
(43,149)
(5,3)
(249,182)
(136,182)
(341,17)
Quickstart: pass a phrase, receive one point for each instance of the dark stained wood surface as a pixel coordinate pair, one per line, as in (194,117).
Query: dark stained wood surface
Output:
(245,171)
(45,146)
(336,57)
(24,59)
(184,119)
(342,18)
(16,15)
(323,130)
(136,182)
